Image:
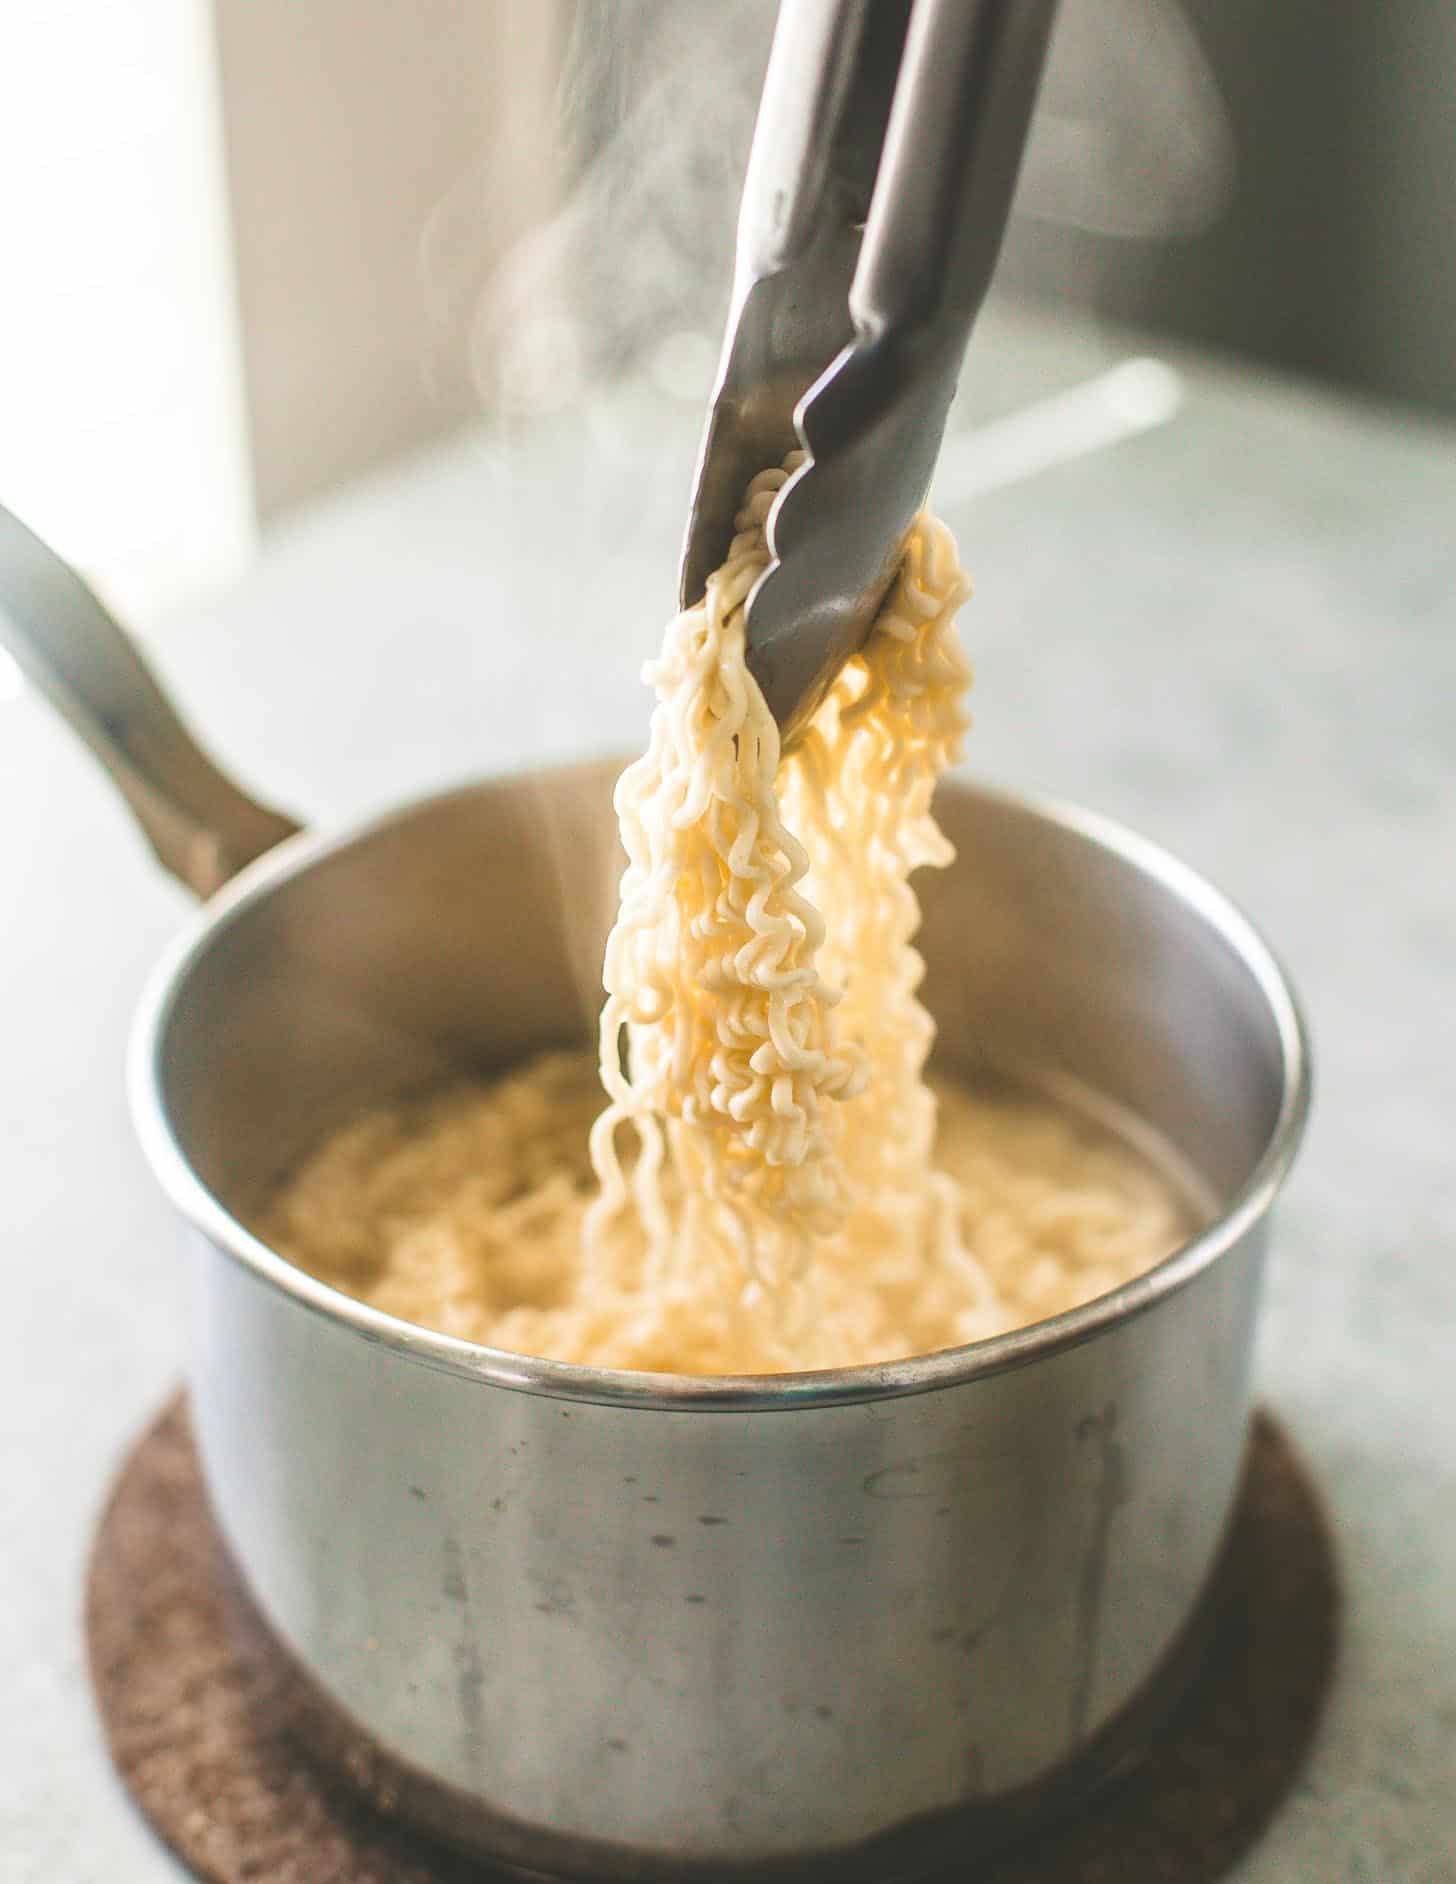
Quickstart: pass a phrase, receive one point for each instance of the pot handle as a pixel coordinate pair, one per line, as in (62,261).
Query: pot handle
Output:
(201,825)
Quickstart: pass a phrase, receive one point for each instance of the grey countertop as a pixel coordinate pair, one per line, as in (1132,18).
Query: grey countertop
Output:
(1235,631)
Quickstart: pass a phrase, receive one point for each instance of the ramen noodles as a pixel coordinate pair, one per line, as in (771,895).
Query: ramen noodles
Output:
(773,1183)
(464,1210)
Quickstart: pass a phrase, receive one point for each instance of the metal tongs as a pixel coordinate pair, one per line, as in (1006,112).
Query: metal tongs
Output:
(888,142)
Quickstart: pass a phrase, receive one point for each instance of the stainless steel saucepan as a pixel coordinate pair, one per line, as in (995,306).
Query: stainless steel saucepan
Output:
(611,1624)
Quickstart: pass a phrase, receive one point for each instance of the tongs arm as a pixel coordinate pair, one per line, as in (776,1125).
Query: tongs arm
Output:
(811,174)
(952,149)
(803,144)
(879,186)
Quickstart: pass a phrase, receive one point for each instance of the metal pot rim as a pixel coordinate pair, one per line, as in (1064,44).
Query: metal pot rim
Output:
(778,1393)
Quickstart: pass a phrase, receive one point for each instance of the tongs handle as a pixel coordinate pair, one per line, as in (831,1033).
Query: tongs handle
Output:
(958,124)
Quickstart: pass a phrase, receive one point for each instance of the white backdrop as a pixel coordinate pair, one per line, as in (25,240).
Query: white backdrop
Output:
(122,428)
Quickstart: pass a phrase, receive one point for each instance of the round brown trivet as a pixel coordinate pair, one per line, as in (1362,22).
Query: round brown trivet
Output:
(187,1714)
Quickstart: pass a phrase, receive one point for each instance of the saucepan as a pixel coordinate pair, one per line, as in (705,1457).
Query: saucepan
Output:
(610,1624)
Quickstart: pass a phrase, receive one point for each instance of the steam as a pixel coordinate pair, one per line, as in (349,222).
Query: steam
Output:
(1137,395)
(655,106)
(649,117)
(1131,138)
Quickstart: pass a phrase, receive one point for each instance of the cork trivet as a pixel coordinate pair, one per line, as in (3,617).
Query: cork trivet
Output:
(192,1729)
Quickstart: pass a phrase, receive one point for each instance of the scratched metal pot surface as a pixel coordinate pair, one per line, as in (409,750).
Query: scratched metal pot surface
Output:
(619,1623)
